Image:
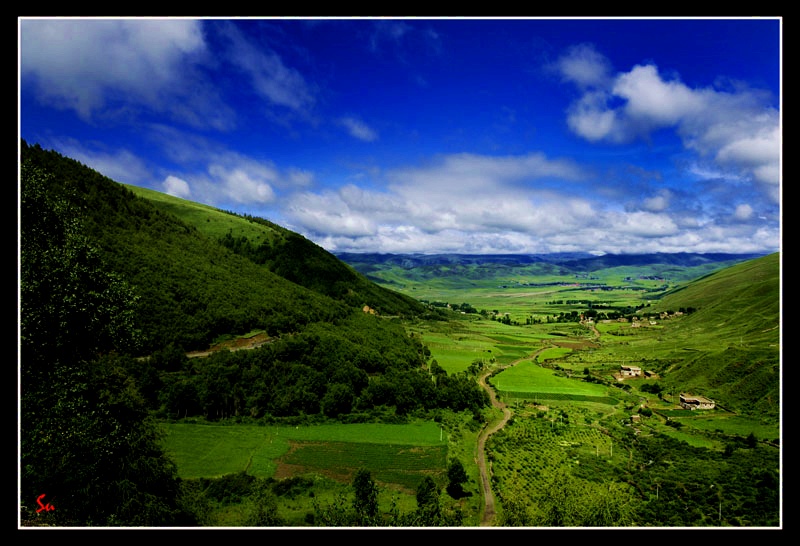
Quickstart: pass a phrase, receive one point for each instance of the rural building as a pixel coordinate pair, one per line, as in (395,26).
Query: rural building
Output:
(692,402)
(630,371)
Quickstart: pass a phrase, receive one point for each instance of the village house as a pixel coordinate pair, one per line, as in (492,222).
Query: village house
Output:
(630,371)
(692,402)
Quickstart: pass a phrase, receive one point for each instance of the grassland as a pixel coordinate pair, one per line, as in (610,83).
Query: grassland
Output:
(215,223)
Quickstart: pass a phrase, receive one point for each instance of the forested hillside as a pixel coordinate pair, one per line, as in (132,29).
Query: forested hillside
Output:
(194,288)
(114,292)
(285,253)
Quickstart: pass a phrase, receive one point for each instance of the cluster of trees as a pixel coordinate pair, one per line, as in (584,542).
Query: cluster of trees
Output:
(339,370)
(363,509)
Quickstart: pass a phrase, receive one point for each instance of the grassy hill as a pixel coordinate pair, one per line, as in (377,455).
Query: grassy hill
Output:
(737,303)
(193,288)
(285,253)
(730,342)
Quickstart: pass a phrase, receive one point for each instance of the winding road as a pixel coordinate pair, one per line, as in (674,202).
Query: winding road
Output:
(486,484)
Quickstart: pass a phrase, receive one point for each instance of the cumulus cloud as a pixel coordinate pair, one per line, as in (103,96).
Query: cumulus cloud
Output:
(494,197)
(739,130)
(173,185)
(243,185)
(530,203)
(89,65)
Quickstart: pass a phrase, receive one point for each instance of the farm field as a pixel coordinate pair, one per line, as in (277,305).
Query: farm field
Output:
(321,458)
(528,377)
(202,450)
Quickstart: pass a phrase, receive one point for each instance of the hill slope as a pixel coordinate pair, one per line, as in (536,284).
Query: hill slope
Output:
(731,341)
(285,253)
(193,288)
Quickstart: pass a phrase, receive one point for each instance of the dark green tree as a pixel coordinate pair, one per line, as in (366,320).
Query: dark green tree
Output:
(365,502)
(457,476)
(263,507)
(86,440)
(428,513)
(338,400)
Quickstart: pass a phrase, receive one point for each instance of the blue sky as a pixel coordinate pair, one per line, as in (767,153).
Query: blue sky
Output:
(431,135)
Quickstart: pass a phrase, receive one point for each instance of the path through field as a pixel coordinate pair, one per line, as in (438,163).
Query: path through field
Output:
(486,485)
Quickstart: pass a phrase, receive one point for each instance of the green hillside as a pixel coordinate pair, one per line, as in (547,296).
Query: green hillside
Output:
(740,302)
(285,253)
(730,341)
(192,288)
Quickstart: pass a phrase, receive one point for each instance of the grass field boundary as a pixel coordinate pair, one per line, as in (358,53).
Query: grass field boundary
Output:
(560,396)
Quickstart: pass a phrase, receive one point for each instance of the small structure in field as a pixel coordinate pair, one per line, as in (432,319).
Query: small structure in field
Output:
(693,402)
(630,371)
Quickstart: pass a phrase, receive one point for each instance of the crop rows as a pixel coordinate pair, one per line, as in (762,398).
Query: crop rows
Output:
(525,452)
(398,464)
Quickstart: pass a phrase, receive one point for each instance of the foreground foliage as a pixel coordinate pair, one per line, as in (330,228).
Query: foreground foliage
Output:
(87,441)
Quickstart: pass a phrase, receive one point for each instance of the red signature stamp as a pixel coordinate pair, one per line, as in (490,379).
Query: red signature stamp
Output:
(46,507)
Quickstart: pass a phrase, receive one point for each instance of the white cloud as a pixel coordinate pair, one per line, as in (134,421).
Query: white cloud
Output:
(659,202)
(654,102)
(737,130)
(243,185)
(471,203)
(584,66)
(87,64)
(173,185)
(743,212)
(358,129)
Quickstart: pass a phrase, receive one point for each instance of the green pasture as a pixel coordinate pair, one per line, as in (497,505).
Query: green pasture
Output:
(530,377)
(727,423)
(553,353)
(394,453)
(458,344)
(209,220)
(212,451)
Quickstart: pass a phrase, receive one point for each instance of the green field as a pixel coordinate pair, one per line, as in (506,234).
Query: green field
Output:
(528,377)
(396,454)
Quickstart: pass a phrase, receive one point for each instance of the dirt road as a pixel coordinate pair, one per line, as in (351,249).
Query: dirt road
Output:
(486,484)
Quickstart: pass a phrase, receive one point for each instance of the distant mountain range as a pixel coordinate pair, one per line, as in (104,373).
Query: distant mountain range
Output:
(576,261)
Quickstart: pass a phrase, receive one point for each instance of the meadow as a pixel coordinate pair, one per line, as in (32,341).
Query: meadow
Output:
(532,379)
